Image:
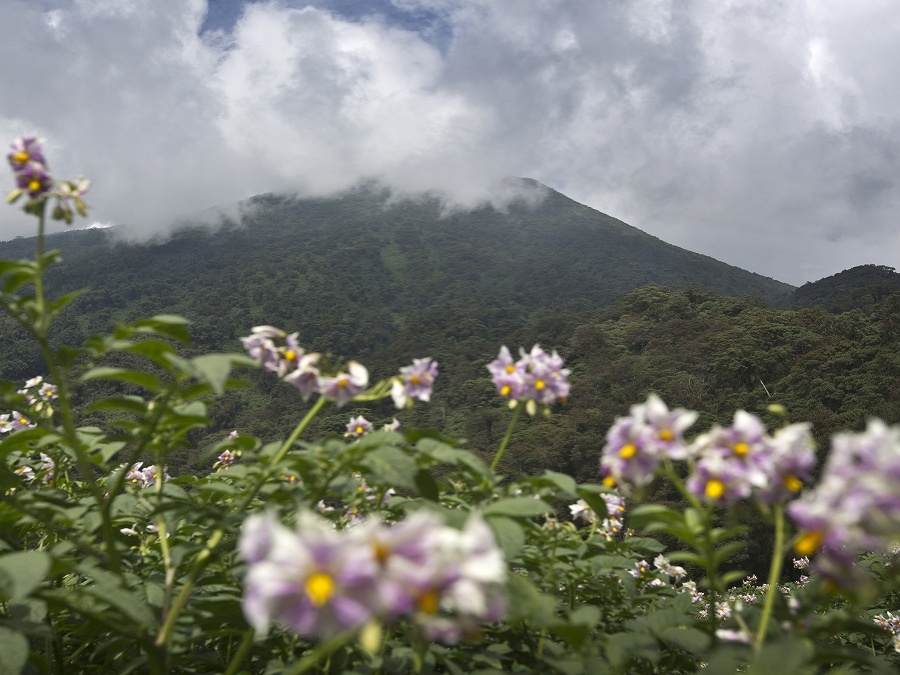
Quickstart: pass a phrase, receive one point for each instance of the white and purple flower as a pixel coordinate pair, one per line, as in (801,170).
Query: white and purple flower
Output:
(415,382)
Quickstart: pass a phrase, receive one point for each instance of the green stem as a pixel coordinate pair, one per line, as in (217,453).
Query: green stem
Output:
(40,330)
(322,651)
(205,556)
(241,653)
(283,450)
(512,425)
(774,576)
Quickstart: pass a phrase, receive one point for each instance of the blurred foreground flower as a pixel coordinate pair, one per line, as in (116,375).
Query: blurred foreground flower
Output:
(856,505)
(637,443)
(318,581)
(415,381)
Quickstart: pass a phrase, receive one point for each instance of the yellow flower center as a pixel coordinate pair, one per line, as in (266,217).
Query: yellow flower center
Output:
(505,389)
(360,430)
(290,355)
(628,451)
(34,185)
(343,382)
(319,587)
(793,483)
(510,369)
(666,435)
(740,449)
(609,482)
(20,157)
(808,543)
(429,602)
(715,488)
(539,384)
(381,552)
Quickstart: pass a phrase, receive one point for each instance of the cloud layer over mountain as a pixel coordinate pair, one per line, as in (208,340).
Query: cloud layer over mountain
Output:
(764,134)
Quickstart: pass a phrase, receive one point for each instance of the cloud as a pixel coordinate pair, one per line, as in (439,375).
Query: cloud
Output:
(764,134)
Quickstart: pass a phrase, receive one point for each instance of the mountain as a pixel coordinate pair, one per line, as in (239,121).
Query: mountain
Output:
(352,274)
(859,287)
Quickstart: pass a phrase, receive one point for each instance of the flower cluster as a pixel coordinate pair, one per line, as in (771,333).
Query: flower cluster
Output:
(15,421)
(856,505)
(636,444)
(537,378)
(38,396)
(145,476)
(727,464)
(891,624)
(47,470)
(318,581)
(734,462)
(676,572)
(32,175)
(278,352)
(415,382)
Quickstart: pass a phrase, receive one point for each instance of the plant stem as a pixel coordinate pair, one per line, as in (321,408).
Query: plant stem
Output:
(774,576)
(241,653)
(40,330)
(205,556)
(283,450)
(323,650)
(512,425)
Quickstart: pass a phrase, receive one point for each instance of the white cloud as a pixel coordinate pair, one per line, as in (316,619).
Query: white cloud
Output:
(764,134)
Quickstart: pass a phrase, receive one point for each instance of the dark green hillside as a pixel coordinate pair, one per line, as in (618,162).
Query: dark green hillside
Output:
(857,288)
(354,274)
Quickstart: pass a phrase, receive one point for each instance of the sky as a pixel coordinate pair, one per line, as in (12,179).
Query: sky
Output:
(763,133)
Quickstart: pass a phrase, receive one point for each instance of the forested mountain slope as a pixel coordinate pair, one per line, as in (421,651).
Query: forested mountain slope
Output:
(353,274)
(857,288)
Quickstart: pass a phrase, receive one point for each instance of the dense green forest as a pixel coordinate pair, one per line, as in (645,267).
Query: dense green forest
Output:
(379,281)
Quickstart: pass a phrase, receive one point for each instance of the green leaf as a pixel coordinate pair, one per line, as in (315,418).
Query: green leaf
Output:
(689,639)
(525,601)
(155,350)
(21,572)
(783,658)
(8,479)
(730,577)
(564,482)
(509,535)
(722,553)
(166,325)
(58,304)
(587,615)
(622,647)
(523,507)
(688,557)
(441,452)
(427,486)
(108,589)
(392,467)
(132,404)
(644,514)
(215,369)
(13,651)
(643,544)
(693,520)
(142,379)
